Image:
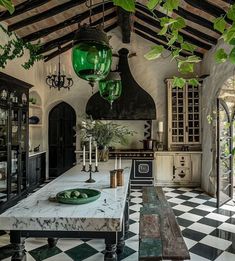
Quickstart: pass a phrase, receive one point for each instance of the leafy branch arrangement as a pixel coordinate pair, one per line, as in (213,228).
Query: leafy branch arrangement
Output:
(104,133)
(15,48)
(170,29)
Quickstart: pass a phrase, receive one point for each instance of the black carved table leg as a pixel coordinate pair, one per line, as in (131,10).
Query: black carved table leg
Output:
(121,240)
(126,214)
(52,241)
(18,246)
(111,247)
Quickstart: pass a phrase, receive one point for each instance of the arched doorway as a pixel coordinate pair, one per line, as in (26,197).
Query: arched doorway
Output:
(225,141)
(62,119)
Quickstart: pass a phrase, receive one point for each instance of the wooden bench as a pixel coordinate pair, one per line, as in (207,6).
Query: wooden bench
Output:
(160,235)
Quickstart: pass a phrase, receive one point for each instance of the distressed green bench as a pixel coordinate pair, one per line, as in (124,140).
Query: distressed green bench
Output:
(160,235)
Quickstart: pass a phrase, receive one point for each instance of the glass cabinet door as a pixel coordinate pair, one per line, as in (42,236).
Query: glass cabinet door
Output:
(178,116)
(15,151)
(3,154)
(23,149)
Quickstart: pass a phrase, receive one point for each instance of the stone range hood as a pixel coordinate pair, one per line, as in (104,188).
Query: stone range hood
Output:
(134,103)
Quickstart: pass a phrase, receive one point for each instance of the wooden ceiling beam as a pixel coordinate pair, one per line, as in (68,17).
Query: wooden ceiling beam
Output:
(185,14)
(124,21)
(160,37)
(229,1)
(154,40)
(73,20)
(44,15)
(70,36)
(70,45)
(188,38)
(22,8)
(209,8)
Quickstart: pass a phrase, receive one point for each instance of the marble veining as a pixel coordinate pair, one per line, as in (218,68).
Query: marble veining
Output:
(36,212)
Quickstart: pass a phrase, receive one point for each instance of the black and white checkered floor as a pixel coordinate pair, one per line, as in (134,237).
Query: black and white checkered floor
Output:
(208,232)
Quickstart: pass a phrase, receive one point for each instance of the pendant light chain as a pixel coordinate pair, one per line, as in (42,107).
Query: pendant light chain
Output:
(103,14)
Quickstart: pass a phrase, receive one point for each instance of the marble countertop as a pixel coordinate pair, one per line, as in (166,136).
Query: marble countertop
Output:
(31,154)
(36,212)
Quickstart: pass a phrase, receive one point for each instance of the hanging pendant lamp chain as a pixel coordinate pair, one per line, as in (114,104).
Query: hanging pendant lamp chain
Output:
(103,14)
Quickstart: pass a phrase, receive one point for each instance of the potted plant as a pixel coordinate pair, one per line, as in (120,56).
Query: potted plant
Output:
(104,134)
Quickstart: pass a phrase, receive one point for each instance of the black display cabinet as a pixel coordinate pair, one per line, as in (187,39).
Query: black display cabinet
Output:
(13,140)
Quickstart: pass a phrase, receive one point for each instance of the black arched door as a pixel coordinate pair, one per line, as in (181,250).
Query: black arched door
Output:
(62,119)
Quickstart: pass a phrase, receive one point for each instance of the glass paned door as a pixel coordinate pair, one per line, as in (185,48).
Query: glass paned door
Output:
(3,154)
(15,151)
(224,154)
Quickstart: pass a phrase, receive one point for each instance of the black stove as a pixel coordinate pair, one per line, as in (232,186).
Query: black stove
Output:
(142,165)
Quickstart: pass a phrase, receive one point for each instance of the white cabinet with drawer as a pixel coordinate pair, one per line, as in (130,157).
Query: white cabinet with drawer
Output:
(177,168)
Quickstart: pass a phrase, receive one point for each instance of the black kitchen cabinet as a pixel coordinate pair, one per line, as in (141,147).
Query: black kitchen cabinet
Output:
(37,170)
(13,140)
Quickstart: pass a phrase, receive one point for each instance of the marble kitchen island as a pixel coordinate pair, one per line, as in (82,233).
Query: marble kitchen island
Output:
(107,217)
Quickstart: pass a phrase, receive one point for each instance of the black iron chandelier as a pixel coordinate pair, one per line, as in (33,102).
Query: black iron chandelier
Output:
(58,79)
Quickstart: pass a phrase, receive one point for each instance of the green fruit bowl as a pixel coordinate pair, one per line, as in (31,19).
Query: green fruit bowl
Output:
(77,196)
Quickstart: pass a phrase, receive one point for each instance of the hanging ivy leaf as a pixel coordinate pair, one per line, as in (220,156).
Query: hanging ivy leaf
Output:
(232,56)
(219,24)
(178,82)
(193,82)
(173,39)
(220,56)
(8,5)
(185,67)
(175,53)
(128,5)
(188,47)
(229,34)
(193,59)
(179,24)
(170,5)
(152,4)
(231,12)
(154,53)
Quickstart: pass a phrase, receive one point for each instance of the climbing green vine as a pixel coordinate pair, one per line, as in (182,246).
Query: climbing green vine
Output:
(15,48)
(171,30)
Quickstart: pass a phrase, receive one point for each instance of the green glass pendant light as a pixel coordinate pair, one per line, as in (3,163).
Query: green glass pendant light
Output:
(91,54)
(110,88)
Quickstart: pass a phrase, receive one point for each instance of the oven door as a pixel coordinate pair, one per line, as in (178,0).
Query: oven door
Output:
(142,169)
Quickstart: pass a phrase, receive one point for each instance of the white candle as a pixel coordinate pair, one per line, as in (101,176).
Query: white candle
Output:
(96,156)
(160,126)
(90,151)
(63,68)
(120,163)
(50,69)
(70,72)
(115,166)
(84,156)
(55,69)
